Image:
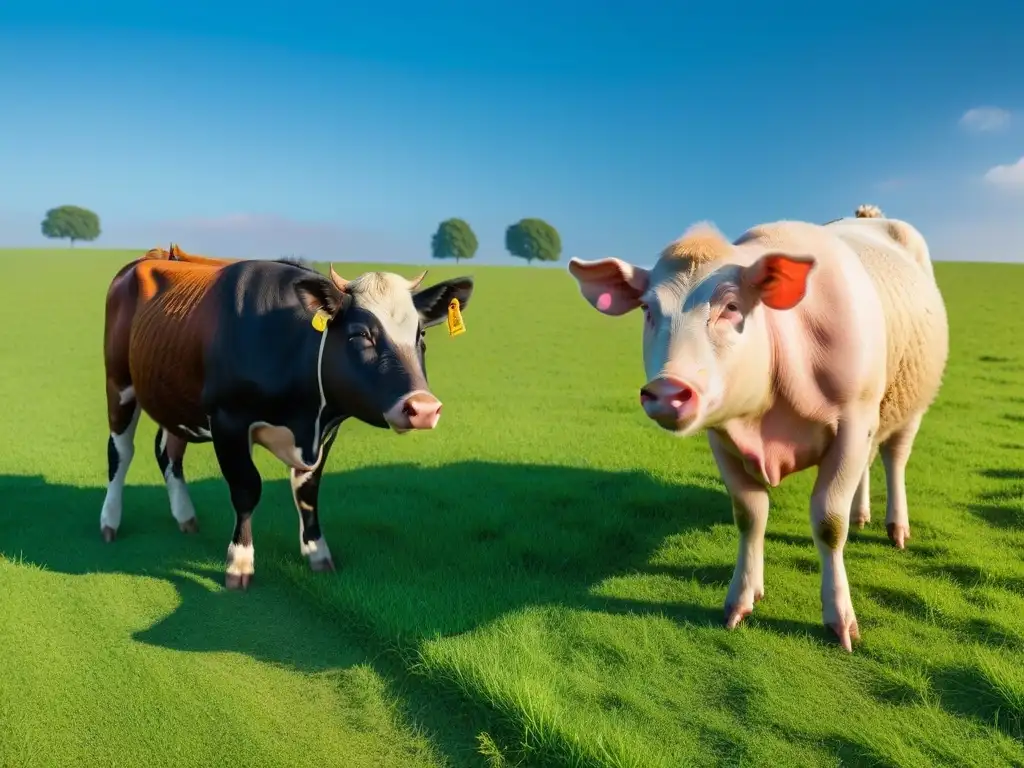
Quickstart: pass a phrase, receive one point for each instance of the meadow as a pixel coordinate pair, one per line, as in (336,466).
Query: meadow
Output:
(537,582)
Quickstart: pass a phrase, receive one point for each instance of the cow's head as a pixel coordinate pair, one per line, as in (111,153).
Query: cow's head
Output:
(373,356)
(705,344)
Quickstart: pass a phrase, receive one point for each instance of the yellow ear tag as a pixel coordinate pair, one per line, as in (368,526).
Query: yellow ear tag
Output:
(455,324)
(320,320)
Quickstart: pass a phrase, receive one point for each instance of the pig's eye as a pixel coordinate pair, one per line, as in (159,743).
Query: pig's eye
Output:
(732,307)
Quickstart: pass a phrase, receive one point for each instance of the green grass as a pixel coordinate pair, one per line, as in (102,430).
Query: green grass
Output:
(537,582)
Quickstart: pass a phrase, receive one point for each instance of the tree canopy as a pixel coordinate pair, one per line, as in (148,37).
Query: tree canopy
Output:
(454,239)
(533,239)
(71,222)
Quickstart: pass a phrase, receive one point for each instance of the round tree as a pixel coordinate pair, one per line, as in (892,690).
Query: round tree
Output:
(454,239)
(533,239)
(72,223)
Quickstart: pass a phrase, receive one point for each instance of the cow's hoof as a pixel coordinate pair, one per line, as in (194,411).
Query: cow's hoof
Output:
(899,535)
(109,534)
(846,633)
(326,564)
(237,580)
(189,526)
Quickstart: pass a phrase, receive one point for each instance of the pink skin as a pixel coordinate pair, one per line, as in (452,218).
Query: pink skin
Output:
(782,378)
(670,401)
(417,410)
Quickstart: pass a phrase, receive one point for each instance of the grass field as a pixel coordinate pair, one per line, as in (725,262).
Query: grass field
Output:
(537,582)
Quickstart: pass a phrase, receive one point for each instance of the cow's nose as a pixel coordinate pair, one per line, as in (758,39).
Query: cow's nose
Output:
(671,402)
(421,411)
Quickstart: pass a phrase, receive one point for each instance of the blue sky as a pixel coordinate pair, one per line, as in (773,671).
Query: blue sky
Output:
(347,131)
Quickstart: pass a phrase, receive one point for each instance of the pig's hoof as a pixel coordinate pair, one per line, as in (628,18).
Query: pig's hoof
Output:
(899,534)
(109,534)
(189,526)
(737,610)
(846,632)
(237,580)
(735,614)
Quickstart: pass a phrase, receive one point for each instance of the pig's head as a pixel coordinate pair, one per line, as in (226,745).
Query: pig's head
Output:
(706,343)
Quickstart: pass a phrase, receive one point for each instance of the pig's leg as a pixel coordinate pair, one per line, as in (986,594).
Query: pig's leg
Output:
(895,454)
(840,472)
(860,512)
(750,512)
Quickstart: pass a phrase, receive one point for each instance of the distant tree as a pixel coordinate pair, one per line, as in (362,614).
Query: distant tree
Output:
(454,239)
(533,239)
(72,223)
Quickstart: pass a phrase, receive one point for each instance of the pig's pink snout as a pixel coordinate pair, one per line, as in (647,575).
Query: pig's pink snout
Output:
(670,401)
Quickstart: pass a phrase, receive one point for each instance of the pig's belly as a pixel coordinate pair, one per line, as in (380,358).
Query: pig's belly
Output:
(771,452)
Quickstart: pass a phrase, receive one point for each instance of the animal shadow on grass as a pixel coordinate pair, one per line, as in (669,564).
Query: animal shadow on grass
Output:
(1003,508)
(420,553)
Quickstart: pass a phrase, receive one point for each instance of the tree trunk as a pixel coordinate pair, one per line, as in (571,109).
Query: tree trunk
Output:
(72,241)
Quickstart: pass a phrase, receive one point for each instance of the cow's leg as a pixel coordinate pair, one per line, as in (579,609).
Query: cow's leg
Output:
(170,457)
(123,416)
(895,455)
(860,510)
(305,493)
(839,473)
(234,455)
(750,512)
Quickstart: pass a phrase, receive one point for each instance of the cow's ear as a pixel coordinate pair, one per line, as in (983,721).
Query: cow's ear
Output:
(316,293)
(612,286)
(432,303)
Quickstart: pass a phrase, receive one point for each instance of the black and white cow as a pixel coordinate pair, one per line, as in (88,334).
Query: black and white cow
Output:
(262,352)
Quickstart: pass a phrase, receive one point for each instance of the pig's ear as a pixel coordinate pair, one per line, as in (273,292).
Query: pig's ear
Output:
(610,285)
(778,279)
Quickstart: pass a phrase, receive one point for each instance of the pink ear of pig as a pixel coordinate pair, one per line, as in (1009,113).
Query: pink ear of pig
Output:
(612,286)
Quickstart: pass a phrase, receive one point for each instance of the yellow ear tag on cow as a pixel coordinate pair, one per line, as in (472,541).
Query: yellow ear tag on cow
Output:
(320,320)
(455,324)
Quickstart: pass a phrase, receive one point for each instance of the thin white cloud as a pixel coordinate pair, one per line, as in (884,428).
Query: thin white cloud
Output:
(1008,177)
(985,120)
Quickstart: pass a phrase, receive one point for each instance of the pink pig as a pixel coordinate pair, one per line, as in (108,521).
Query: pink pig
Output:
(797,345)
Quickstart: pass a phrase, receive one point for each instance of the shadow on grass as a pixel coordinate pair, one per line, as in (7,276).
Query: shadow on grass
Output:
(420,553)
(1003,508)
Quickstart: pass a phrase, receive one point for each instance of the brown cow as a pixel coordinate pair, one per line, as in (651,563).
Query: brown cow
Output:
(267,352)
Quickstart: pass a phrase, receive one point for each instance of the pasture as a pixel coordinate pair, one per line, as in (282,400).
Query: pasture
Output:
(537,582)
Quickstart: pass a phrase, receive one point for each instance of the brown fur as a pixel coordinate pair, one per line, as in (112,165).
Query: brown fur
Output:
(701,244)
(164,367)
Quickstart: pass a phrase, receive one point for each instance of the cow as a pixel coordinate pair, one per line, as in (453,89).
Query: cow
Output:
(795,345)
(272,353)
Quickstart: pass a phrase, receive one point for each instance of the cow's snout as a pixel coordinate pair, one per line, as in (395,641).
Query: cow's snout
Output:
(672,403)
(419,410)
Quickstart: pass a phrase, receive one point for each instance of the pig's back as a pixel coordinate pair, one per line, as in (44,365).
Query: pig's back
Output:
(895,256)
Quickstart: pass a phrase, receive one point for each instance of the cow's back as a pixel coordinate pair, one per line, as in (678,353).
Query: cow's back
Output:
(896,258)
(171,326)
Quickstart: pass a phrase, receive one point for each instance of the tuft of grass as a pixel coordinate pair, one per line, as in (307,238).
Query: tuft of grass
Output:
(537,582)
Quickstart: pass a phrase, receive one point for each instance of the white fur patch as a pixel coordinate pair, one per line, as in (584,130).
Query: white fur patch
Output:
(241,559)
(126,395)
(387,297)
(124,445)
(177,493)
(198,432)
(314,550)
